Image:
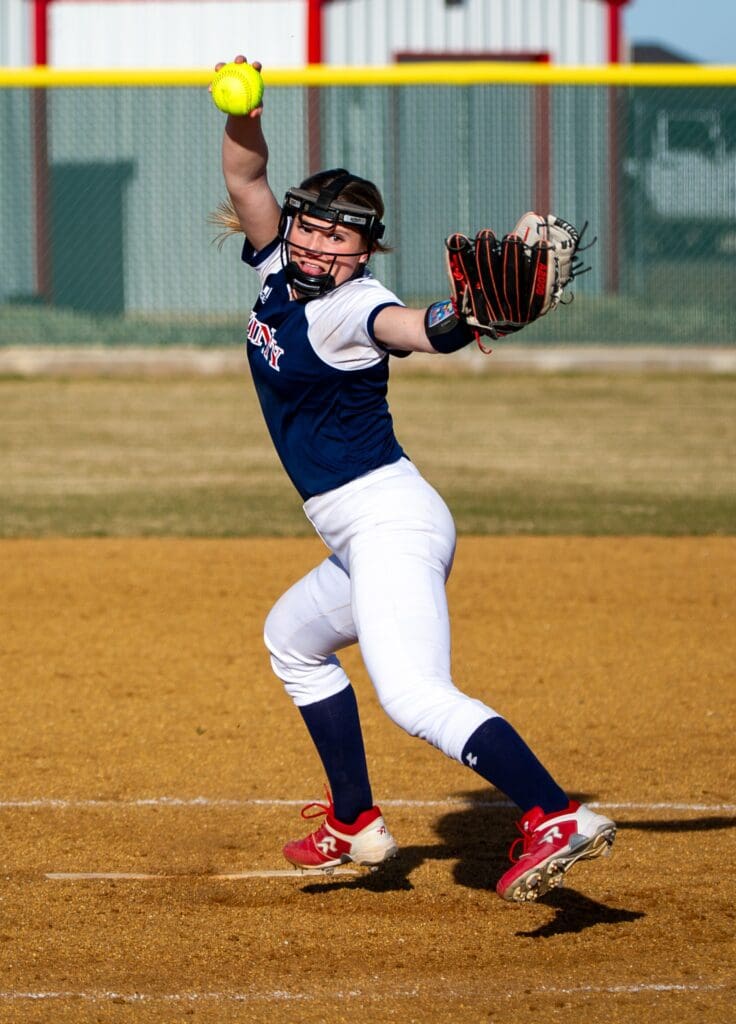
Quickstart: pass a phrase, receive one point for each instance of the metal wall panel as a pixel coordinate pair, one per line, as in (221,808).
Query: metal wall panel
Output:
(131,133)
(122,248)
(15,33)
(121,217)
(17,272)
(374,31)
(177,33)
(190,33)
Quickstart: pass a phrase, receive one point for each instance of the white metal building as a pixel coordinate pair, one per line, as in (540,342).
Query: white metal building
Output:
(16,25)
(383,31)
(291,33)
(99,151)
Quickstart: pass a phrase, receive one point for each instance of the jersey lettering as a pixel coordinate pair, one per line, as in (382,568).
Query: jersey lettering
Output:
(264,338)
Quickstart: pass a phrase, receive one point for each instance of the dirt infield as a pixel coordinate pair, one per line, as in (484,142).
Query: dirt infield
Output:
(143,733)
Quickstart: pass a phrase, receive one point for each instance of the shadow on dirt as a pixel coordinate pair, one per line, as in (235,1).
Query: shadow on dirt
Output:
(575,913)
(477,836)
(711,824)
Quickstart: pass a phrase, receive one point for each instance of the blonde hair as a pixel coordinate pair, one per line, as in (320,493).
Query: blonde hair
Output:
(226,219)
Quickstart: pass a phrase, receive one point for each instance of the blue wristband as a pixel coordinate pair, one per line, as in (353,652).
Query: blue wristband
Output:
(444,328)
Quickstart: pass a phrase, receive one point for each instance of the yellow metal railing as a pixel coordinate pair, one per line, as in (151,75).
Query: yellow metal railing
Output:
(446,74)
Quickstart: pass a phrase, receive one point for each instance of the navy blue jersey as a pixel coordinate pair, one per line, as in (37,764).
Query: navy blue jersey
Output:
(321,377)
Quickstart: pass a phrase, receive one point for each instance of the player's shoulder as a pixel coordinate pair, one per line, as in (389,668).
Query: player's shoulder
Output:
(369,283)
(341,323)
(266,261)
(363,293)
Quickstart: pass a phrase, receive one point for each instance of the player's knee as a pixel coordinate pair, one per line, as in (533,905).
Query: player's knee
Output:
(281,638)
(309,682)
(416,711)
(285,660)
(277,636)
(439,714)
(306,677)
(278,625)
(289,668)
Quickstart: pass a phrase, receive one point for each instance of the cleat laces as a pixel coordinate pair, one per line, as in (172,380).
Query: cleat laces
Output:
(315,809)
(524,841)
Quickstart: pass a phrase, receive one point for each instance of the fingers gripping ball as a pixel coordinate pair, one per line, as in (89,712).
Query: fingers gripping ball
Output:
(237,89)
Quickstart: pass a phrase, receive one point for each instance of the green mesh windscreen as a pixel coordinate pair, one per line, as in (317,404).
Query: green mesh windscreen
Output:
(105,195)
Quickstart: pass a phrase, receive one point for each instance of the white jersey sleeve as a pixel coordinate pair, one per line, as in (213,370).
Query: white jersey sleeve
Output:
(266,261)
(341,323)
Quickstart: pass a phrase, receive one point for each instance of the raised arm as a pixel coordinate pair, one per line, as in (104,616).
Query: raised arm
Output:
(244,163)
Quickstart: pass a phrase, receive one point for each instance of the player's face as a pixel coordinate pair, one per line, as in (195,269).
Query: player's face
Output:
(318,247)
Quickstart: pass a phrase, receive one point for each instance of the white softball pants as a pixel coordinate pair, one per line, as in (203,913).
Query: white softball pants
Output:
(393,542)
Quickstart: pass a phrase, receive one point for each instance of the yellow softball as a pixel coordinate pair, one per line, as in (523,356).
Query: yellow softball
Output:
(237,88)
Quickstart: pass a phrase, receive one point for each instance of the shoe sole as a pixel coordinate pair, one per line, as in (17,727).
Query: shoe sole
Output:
(551,874)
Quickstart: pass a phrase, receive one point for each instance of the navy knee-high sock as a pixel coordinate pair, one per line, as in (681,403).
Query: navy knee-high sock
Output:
(500,755)
(334,725)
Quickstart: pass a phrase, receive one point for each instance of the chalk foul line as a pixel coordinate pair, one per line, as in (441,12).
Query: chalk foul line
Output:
(236,876)
(370,995)
(63,804)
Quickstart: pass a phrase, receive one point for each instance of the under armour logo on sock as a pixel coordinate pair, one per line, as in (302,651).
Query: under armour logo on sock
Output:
(471,759)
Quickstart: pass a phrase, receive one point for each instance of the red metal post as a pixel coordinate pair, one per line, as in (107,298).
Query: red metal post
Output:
(315,55)
(314,31)
(543,144)
(41,31)
(615,52)
(615,30)
(41,176)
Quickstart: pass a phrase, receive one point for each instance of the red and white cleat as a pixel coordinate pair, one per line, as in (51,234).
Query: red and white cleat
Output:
(367,841)
(551,844)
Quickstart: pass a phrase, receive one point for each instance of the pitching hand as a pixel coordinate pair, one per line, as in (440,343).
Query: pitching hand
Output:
(240,59)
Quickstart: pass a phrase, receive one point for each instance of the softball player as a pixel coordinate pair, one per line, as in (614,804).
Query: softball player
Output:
(319,342)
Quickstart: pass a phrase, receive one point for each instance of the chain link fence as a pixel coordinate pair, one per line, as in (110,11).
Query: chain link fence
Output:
(105,194)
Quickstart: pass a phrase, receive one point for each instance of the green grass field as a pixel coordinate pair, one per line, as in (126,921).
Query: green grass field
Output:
(512,454)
